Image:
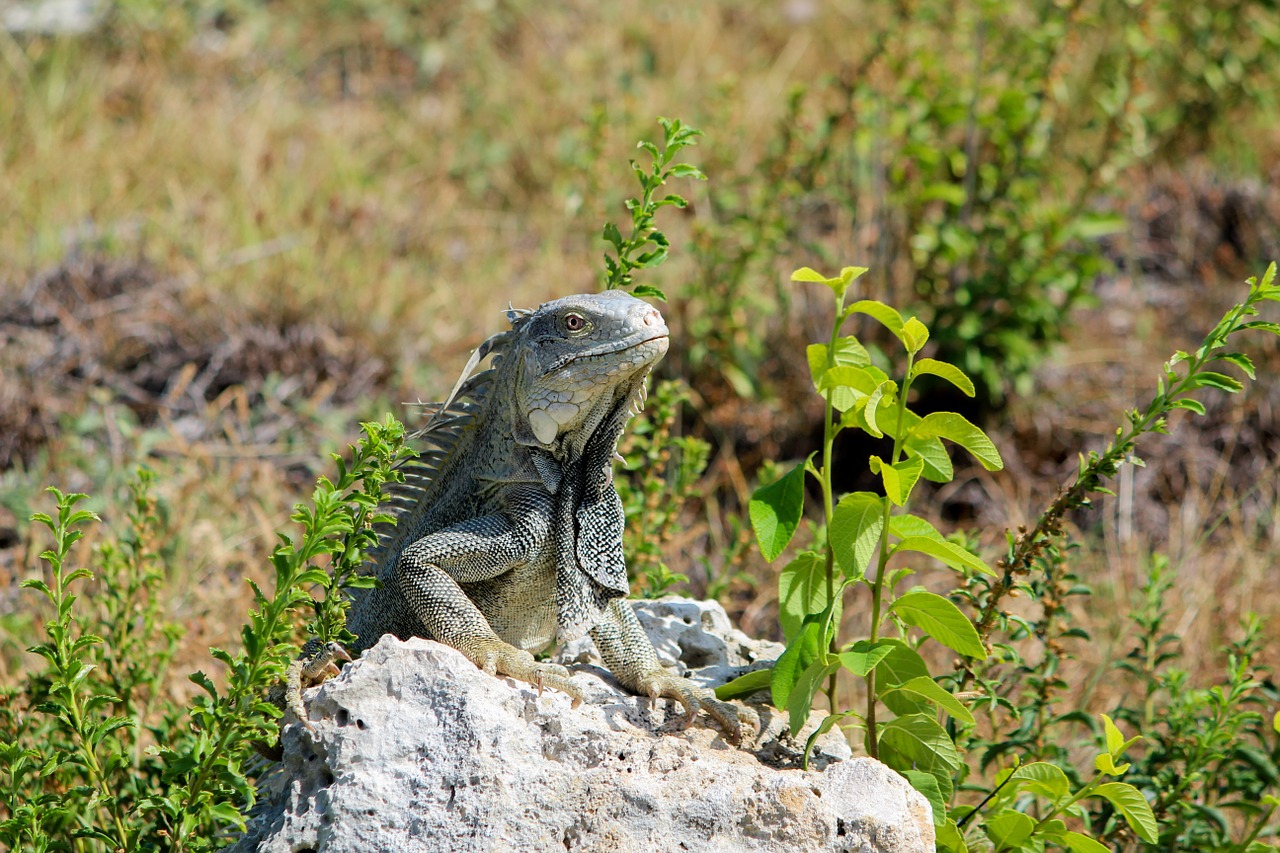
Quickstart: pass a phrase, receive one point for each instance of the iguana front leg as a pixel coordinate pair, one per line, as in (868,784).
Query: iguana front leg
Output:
(628,654)
(430,570)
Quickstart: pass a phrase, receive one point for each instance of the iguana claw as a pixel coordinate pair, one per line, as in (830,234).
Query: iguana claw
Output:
(316,663)
(498,658)
(738,722)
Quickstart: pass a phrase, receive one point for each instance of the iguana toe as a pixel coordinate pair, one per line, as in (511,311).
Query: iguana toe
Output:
(498,658)
(317,663)
(738,723)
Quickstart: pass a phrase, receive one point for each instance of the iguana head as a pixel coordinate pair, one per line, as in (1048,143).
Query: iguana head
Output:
(579,356)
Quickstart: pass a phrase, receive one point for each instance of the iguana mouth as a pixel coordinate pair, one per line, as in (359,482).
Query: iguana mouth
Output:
(602,351)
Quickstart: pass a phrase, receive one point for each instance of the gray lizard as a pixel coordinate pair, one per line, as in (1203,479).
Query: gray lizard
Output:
(508,530)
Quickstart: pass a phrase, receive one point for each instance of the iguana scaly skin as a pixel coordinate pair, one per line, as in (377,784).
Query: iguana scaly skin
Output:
(508,530)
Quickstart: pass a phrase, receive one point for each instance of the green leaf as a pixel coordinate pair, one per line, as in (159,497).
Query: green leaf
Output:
(613,236)
(919,738)
(808,274)
(887,316)
(906,525)
(950,838)
(802,591)
(684,170)
(845,385)
(1114,739)
(855,530)
(827,724)
(800,702)
(1241,361)
(946,371)
(1078,843)
(937,464)
(948,552)
(1129,801)
(801,652)
(745,685)
(1043,779)
(955,428)
(775,512)
(648,290)
(851,274)
(898,479)
(901,664)
(1189,404)
(933,692)
(927,784)
(848,353)
(1104,763)
(885,390)
(889,477)
(1116,743)
(1264,325)
(1216,380)
(1008,829)
(838,285)
(942,620)
(914,335)
(863,656)
(909,470)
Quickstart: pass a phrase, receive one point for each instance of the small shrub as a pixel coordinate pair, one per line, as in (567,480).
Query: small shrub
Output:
(863,532)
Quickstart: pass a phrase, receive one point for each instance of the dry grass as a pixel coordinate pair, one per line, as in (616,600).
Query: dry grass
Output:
(308,200)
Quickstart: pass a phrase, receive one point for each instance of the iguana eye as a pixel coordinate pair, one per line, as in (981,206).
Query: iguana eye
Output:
(576,324)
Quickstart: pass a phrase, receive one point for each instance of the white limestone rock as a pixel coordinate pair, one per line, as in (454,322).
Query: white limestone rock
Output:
(696,635)
(415,749)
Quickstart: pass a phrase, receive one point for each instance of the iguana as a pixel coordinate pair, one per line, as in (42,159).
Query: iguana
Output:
(508,530)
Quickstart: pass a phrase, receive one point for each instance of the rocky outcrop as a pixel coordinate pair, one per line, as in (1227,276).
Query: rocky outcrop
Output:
(414,749)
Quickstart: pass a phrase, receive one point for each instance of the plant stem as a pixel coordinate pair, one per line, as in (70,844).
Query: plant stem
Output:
(64,537)
(877,583)
(829,430)
(1030,544)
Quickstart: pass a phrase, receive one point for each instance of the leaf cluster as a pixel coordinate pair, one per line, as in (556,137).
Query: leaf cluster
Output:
(1197,735)
(662,470)
(78,770)
(646,246)
(863,533)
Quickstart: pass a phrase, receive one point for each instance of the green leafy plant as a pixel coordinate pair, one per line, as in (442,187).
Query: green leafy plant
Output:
(666,465)
(93,750)
(1212,757)
(1009,827)
(1183,375)
(646,246)
(80,776)
(210,788)
(860,545)
(862,534)
(662,473)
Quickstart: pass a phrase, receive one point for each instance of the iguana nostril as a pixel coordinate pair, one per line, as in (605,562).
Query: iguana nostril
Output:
(653,318)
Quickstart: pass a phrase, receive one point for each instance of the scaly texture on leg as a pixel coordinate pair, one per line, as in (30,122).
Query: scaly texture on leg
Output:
(451,618)
(628,654)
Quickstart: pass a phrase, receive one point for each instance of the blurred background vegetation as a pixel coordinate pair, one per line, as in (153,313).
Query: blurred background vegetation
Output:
(232,230)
